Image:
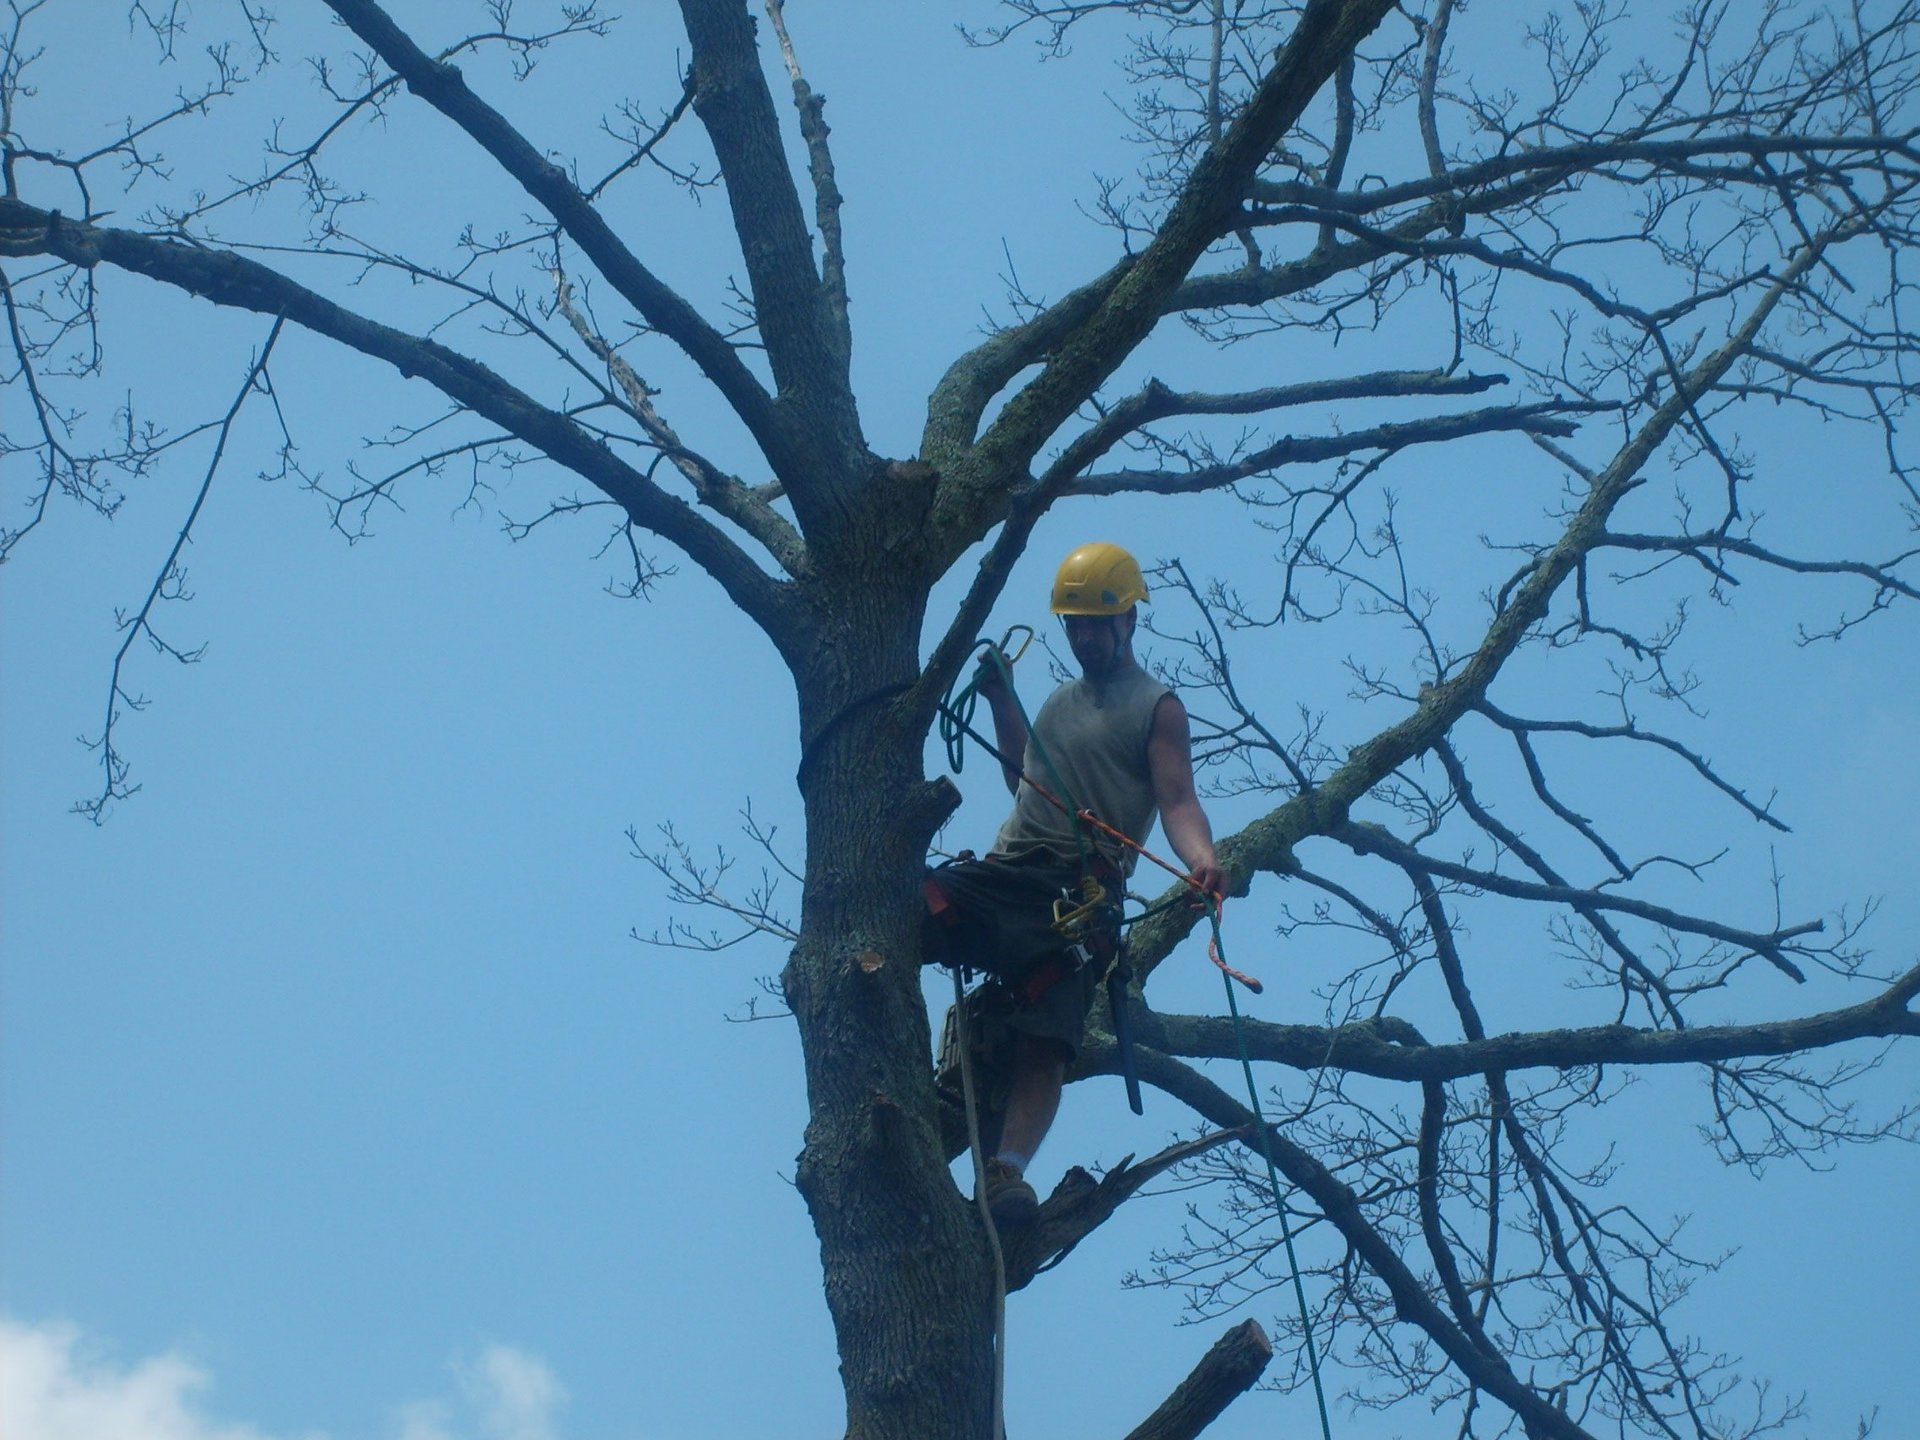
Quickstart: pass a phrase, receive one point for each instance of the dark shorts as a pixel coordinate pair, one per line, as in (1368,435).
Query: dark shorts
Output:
(998,919)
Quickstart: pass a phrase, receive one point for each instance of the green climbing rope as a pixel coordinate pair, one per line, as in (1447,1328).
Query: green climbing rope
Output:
(1273,1175)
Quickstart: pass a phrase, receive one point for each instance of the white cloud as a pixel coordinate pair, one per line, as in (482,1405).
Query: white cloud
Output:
(513,1395)
(53,1387)
(56,1386)
(422,1420)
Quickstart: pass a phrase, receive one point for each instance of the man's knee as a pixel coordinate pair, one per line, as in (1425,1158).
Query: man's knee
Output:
(1041,1055)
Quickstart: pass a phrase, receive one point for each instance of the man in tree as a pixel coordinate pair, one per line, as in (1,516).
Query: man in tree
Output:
(1116,743)
(1587,285)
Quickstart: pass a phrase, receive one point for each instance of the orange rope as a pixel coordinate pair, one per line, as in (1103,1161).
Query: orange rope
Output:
(1216,904)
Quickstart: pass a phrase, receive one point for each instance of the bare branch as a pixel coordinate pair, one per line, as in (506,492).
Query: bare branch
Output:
(442,86)
(804,339)
(168,584)
(1546,418)
(1774,948)
(1631,731)
(1157,402)
(232,280)
(826,191)
(1268,843)
(1324,35)
(1343,1209)
(724,493)
(1394,1050)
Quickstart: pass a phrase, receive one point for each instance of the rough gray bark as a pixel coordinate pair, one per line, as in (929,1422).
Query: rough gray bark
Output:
(1229,1368)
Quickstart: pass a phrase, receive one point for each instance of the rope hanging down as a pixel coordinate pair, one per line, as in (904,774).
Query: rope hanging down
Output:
(1273,1173)
(986,1214)
(956,716)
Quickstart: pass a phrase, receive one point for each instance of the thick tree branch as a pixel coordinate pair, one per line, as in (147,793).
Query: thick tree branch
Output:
(1433,1225)
(990,578)
(970,383)
(1342,1209)
(1393,1050)
(1227,1371)
(1155,401)
(826,190)
(805,343)
(1434,44)
(443,87)
(1325,35)
(228,279)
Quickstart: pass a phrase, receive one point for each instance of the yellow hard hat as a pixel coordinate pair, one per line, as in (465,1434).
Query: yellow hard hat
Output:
(1098,579)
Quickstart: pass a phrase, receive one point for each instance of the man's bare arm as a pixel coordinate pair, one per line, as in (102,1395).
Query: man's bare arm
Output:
(1009,727)
(1170,766)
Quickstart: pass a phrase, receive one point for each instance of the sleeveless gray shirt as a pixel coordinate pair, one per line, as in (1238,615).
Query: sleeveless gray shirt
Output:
(1096,737)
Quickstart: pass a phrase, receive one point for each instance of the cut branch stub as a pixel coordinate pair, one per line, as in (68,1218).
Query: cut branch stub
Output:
(1227,1371)
(1080,1204)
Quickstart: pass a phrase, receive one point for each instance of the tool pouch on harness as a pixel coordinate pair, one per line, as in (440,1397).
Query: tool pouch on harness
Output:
(1043,937)
(981,1023)
(1016,919)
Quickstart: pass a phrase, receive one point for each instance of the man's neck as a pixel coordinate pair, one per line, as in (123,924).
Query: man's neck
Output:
(1118,667)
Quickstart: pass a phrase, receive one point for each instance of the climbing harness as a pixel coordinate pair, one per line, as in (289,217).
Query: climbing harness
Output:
(956,715)
(1087,922)
(1074,919)
(956,728)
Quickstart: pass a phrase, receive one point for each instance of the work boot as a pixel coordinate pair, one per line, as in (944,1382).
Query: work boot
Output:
(1010,1199)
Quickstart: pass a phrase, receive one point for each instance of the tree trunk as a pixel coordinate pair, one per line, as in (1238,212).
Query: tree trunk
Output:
(909,1277)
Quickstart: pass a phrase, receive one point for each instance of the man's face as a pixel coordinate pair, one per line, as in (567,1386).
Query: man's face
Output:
(1099,642)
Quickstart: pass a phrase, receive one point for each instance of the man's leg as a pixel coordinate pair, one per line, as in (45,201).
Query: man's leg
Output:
(1039,1072)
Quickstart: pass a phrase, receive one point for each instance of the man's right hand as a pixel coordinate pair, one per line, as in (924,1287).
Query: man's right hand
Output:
(990,679)
(1209,883)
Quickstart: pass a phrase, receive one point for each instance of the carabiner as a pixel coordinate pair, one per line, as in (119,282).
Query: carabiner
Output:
(1070,920)
(1005,647)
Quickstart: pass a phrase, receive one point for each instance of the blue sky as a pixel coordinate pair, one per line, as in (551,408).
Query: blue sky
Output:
(337,1099)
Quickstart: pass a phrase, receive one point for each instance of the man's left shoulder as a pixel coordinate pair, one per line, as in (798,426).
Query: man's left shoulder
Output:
(1168,708)
(1142,681)
(1155,693)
